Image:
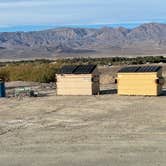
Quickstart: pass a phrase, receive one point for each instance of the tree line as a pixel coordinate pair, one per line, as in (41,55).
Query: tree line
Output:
(44,70)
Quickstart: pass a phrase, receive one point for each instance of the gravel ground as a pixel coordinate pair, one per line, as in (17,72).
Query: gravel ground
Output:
(105,130)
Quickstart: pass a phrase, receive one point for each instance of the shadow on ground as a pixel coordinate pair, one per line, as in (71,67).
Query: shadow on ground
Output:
(14,87)
(163,92)
(114,91)
(108,91)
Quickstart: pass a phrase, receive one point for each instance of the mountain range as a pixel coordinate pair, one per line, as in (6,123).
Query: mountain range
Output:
(147,39)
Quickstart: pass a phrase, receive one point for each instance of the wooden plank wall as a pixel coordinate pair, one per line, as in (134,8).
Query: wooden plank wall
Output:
(139,84)
(69,84)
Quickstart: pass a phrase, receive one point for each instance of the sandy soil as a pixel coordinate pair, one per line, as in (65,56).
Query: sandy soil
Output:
(105,130)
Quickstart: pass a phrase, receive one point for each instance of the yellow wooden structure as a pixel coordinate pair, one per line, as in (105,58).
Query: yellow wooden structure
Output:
(140,80)
(78,80)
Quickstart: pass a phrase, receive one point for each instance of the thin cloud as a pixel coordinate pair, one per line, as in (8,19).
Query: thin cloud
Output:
(15,4)
(35,12)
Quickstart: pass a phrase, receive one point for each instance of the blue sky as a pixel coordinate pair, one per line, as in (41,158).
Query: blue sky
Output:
(80,12)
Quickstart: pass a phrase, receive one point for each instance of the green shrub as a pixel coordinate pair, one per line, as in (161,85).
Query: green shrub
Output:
(4,74)
(29,72)
(45,70)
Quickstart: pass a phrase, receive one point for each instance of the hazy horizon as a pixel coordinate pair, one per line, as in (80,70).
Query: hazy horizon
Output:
(32,15)
(29,28)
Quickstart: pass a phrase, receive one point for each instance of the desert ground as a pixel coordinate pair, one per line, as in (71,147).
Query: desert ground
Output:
(104,130)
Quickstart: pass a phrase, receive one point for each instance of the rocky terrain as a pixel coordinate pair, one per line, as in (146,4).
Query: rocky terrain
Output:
(146,39)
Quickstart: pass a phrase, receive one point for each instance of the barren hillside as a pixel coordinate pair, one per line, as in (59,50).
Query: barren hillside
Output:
(145,39)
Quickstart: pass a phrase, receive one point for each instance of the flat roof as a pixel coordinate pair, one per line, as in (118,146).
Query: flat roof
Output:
(139,69)
(78,69)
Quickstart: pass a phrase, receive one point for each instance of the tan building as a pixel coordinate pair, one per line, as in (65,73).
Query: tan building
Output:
(78,80)
(140,80)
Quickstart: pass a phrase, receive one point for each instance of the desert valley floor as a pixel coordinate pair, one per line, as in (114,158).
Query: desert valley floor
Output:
(83,130)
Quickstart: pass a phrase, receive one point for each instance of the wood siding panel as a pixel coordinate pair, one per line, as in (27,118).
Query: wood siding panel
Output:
(138,84)
(70,84)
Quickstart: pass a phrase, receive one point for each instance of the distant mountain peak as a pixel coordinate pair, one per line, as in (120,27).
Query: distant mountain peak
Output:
(145,39)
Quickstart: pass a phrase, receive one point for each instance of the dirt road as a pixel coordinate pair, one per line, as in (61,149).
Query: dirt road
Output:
(106,130)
